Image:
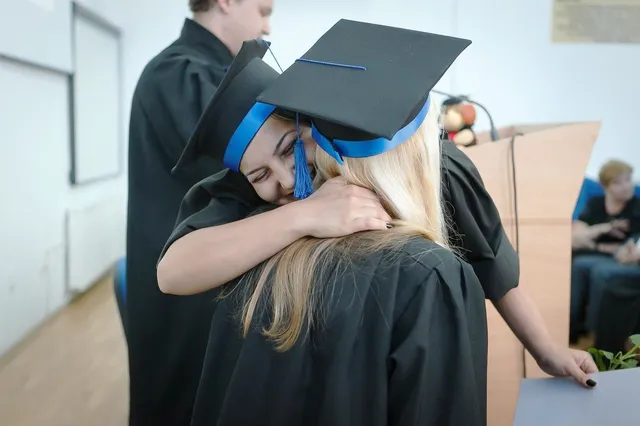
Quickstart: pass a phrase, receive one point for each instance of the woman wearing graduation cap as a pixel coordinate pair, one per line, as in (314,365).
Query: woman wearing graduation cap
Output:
(340,86)
(384,327)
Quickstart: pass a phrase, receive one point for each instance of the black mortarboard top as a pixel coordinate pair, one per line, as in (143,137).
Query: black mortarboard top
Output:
(232,116)
(365,86)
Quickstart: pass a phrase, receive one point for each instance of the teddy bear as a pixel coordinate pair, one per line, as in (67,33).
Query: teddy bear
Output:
(457,119)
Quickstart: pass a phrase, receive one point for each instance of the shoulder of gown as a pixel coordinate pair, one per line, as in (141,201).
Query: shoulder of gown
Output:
(475,224)
(438,351)
(219,199)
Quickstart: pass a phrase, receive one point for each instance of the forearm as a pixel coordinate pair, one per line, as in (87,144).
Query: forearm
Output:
(580,241)
(582,231)
(210,257)
(608,248)
(526,322)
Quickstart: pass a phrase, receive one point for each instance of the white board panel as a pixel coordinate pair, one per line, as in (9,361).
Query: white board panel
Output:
(34,136)
(97,144)
(37,31)
(95,241)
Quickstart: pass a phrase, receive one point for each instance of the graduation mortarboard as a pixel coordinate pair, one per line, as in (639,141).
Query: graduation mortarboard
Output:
(232,117)
(365,86)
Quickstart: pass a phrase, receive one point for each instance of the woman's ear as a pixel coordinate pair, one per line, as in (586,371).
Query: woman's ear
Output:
(223,5)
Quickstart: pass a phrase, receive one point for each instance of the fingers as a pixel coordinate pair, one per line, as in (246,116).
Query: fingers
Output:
(360,192)
(375,211)
(365,223)
(339,186)
(339,180)
(580,376)
(581,367)
(622,224)
(617,233)
(588,365)
(352,189)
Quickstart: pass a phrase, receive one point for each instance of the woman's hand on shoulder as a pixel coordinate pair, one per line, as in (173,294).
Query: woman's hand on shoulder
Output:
(338,209)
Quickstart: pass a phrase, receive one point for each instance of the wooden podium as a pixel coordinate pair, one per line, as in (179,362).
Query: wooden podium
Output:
(550,161)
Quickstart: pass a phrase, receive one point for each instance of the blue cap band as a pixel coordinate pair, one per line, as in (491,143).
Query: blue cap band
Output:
(244,134)
(368,148)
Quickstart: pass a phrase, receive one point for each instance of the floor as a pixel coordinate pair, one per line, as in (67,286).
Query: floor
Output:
(72,371)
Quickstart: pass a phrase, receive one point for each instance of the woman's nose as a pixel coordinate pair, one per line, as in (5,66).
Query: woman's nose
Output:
(288,181)
(286,177)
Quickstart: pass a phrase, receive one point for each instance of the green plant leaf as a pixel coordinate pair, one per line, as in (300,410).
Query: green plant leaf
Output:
(607,355)
(597,358)
(630,363)
(633,353)
(635,339)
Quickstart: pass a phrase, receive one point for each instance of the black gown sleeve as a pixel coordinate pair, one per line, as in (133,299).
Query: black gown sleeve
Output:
(438,355)
(184,87)
(217,200)
(477,227)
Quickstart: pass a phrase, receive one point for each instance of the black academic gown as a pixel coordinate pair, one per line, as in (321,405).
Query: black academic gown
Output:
(477,227)
(403,342)
(248,379)
(167,334)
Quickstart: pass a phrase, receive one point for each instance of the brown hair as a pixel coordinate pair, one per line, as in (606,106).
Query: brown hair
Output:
(200,5)
(611,170)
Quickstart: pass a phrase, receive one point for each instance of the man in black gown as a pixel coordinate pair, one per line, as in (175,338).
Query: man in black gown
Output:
(167,335)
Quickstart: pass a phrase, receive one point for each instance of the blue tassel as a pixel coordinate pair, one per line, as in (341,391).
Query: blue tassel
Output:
(304,184)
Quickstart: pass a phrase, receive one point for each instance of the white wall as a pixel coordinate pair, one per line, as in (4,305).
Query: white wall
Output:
(34,180)
(36,196)
(34,193)
(512,67)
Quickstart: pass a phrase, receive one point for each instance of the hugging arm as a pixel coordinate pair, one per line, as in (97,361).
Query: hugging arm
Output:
(221,248)
(218,240)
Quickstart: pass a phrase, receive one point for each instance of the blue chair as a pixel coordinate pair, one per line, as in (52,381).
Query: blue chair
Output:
(120,290)
(590,188)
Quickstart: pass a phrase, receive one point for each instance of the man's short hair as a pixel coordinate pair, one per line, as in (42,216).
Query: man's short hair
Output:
(613,169)
(200,5)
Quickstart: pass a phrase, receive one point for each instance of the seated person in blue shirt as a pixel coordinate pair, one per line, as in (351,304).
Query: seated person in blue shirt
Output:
(602,228)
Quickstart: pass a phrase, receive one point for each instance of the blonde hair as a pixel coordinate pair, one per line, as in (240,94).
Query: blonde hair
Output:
(407,179)
(611,170)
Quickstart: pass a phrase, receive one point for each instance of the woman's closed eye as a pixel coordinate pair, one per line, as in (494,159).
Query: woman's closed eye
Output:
(289,148)
(261,176)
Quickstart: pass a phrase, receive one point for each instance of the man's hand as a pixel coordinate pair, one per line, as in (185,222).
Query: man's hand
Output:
(628,254)
(616,228)
(582,241)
